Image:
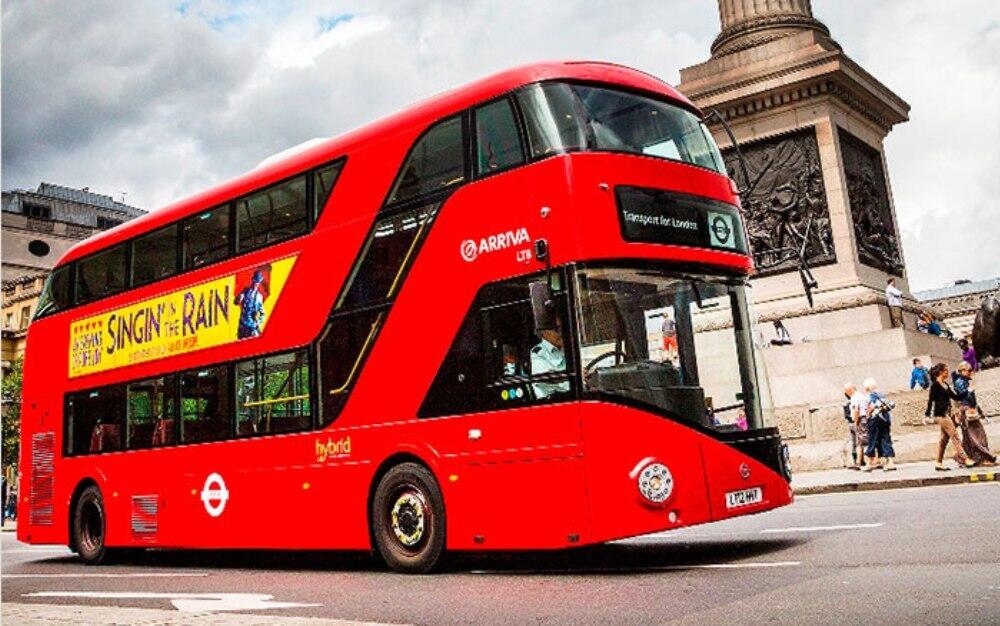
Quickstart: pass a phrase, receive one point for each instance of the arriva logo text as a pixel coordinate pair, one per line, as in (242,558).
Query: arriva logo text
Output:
(333,449)
(470,249)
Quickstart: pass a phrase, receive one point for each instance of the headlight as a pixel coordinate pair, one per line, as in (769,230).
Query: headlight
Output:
(655,483)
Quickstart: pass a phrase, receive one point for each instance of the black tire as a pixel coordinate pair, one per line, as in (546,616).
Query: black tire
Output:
(407,518)
(90,527)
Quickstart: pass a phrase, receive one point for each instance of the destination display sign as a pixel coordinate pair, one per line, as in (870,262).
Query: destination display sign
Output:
(223,310)
(658,216)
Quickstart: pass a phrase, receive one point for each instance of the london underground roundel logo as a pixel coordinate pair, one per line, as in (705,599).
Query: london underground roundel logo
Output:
(469,250)
(214,495)
(721,229)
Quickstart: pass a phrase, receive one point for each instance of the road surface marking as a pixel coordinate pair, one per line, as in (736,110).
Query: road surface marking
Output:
(129,575)
(811,529)
(185,601)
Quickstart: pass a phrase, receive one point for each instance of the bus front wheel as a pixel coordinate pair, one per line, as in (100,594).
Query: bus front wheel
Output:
(90,526)
(408,519)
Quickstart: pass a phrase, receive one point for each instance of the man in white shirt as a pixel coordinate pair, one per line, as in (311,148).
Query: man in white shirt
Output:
(548,356)
(894,298)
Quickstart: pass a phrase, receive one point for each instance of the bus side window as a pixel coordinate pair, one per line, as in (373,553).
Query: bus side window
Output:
(150,416)
(272,215)
(205,237)
(493,363)
(342,348)
(326,178)
(154,255)
(435,162)
(391,246)
(498,142)
(205,402)
(93,421)
(272,394)
(101,274)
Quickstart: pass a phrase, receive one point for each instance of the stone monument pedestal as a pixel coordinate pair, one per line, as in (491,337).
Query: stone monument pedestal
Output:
(810,123)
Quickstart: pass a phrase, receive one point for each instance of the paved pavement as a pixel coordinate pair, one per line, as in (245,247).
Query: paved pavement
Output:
(903,556)
(920,474)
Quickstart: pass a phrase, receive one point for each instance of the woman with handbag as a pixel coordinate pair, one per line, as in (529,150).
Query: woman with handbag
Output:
(974,440)
(939,397)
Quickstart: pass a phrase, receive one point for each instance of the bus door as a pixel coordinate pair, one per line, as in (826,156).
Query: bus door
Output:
(518,436)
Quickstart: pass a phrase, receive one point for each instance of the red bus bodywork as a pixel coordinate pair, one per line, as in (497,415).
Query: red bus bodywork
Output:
(542,477)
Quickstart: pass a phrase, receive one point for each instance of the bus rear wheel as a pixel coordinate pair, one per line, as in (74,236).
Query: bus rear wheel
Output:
(90,526)
(408,519)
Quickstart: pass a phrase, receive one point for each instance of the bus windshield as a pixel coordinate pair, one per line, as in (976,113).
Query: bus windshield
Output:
(680,342)
(562,117)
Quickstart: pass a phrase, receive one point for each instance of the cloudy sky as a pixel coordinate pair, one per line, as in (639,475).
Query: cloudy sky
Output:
(159,99)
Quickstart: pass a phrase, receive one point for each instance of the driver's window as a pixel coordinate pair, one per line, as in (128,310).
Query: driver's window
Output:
(500,360)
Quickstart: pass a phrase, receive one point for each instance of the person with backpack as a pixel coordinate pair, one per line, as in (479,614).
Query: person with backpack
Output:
(879,427)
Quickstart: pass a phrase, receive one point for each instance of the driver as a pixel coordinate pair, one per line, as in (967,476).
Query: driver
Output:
(548,356)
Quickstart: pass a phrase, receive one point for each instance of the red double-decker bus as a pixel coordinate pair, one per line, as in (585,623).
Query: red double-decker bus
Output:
(514,316)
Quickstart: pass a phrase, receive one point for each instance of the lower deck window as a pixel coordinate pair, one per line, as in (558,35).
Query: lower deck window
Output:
(93,420)
(272,395)
(205,405)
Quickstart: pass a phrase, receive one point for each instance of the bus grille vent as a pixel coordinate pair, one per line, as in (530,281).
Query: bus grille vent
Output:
(145,516)
(43,446)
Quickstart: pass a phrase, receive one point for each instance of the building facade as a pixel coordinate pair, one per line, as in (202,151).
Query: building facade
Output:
(956,305)
(38,227)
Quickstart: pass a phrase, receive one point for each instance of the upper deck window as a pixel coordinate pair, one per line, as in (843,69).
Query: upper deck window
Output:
(326,178)
(205,237)
(563,117)
(553,119)
(154,255)
(498,142)
(436,162)
(274,214)
(56,293)
(101,274)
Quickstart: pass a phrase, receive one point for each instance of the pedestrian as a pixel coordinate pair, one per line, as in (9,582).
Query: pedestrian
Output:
(782,336)
(919,376)
(3,498)
(939,400)
(894,298)
(974,440)
(969,354)
(849,390)
(11,510)
(879,427)
(859,413)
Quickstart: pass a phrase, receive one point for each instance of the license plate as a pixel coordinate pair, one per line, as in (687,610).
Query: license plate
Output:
(744,497)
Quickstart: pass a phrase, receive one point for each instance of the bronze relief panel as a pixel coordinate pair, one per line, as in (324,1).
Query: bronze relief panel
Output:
(786,203)
(874,230)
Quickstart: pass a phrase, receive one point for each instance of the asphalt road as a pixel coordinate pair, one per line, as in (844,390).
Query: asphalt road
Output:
(908,556)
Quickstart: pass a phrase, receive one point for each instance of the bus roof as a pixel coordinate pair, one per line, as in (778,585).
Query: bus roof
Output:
(421,114)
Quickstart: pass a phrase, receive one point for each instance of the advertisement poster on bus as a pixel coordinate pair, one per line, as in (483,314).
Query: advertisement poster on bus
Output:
(223,310)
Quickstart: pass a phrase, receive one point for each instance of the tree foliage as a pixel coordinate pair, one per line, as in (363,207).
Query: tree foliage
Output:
(12,414)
